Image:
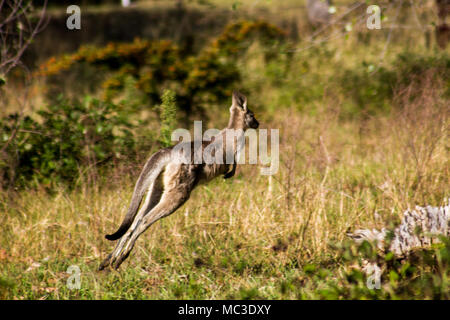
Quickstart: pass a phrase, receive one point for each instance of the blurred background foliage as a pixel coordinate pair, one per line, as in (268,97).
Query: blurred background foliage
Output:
(207,77)
(200,51)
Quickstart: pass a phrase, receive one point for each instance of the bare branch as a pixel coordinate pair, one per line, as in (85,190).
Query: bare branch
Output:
(17,31)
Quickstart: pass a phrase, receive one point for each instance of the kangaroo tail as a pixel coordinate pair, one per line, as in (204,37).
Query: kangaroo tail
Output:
(154,166)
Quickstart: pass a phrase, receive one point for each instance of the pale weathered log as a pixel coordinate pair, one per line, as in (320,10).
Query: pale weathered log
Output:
(419,228)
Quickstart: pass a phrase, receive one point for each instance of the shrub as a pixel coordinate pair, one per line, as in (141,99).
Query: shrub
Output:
(155,65)
(72,137)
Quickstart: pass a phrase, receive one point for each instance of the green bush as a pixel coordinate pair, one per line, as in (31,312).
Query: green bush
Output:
(71,138)
(372,89)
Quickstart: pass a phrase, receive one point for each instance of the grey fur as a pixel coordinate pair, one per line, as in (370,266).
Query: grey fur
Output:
(152,168)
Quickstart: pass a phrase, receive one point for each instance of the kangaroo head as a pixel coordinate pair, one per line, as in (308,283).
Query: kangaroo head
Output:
(241,117)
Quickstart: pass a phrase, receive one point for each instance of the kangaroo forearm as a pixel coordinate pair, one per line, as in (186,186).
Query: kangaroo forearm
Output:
(230,173)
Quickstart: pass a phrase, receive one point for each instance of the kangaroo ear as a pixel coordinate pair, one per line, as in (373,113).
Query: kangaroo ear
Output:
(239,100)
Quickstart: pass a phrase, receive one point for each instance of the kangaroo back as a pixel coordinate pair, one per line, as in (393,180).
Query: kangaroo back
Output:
(152,169)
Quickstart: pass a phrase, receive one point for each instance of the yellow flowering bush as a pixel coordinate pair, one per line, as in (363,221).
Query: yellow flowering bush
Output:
(207,76)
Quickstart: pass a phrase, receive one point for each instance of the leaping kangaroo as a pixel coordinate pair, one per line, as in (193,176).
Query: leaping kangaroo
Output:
(167,183)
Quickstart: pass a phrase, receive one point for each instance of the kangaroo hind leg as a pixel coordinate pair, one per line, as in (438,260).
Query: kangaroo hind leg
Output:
(177,188)
(151,200)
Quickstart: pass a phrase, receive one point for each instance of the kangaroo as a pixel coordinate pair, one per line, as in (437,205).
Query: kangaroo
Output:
(443,29)
(167,183)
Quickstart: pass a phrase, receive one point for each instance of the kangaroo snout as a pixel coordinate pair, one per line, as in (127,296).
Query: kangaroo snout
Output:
(254,124)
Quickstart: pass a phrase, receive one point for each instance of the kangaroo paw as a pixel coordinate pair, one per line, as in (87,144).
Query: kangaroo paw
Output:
(105,263)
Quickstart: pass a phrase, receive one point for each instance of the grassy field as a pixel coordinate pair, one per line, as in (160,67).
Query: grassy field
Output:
(351,156)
